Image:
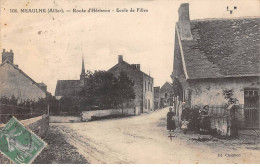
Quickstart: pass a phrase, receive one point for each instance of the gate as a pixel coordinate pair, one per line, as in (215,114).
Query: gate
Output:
(251,115)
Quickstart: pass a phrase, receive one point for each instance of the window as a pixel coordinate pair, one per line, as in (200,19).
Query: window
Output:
(165,95)
(251,92)
(148,85)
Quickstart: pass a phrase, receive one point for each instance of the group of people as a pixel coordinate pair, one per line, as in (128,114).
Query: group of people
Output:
(196,119)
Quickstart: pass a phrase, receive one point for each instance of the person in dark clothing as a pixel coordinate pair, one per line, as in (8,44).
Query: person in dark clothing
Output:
(170,120)
(204,119)
(195,118)
(185,112)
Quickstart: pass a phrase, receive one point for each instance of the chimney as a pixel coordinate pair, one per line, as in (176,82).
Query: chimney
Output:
(184,22)
(43,86)
(120,58)
(138,67)
(8,56)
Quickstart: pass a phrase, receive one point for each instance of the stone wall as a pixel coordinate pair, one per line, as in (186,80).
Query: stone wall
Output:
(209,91)
(64,119)
(156,96)
(15,83)
(88,115)
(220,124)
(39,125)
(134,75)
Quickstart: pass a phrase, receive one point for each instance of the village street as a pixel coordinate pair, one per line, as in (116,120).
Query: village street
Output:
(144,139)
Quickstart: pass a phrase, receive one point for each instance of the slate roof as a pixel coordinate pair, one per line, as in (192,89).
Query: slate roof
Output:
(119,65)
(67,88)
(42,84)
(222,48)
(24,74)
(166,87)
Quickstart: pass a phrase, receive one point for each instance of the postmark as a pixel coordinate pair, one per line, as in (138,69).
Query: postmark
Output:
(19,144)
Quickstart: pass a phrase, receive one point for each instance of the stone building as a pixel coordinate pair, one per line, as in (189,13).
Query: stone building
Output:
(14,82)
(143,87)
(165,95)
(71,88)
(212,55)
(156,97)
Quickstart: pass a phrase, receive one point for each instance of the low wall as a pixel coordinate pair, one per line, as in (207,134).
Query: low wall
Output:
(39,125)
(88,115)
(220,124)
(64,119)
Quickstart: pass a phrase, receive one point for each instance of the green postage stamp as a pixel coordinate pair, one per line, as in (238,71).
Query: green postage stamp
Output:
(20,144)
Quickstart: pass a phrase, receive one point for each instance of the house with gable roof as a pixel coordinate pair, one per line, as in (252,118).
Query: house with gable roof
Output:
(15,82)
(143,85)
(165,95)
(213,55)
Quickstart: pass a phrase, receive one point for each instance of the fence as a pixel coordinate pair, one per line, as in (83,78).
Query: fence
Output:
(217,110)
(251,115)
(242,116)
(7,111)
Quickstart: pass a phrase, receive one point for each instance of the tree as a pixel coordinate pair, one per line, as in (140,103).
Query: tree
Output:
(100,89)
(228,95)
(232,107)
(105,91)
(124,89)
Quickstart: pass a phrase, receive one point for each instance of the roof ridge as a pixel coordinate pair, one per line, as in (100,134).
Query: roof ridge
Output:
(21,71)
(233,18)
(130,65)
(222,48)
(68,79)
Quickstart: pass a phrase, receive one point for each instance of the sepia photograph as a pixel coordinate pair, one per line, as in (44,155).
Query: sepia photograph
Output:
(129,82)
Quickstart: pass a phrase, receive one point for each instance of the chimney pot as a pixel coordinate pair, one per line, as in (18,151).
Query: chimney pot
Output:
(138,67)
(120,58)
(8,56)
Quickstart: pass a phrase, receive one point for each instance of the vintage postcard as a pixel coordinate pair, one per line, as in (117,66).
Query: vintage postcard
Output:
(133,81)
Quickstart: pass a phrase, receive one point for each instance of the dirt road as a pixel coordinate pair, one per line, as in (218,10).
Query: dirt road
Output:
(144,139)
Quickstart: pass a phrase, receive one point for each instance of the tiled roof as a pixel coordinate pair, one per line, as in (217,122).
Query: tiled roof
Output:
(222,48)
(68,88)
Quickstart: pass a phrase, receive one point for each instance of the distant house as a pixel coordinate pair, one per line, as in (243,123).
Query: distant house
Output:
(165,95)
(143,86)
(14,82)
(212,55)
(71,88)
(156,97)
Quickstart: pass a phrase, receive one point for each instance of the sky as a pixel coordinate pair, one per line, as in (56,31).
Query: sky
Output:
(50,46)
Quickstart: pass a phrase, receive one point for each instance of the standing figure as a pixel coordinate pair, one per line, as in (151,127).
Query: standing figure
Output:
(170,120)
(204,119)
(184,126)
